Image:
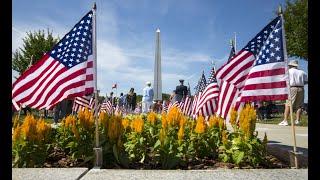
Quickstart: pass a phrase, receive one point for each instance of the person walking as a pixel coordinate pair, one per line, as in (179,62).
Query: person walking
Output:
(112,99)
(147,97)
(297,80)
(121,100)
(181,91)
(132,99)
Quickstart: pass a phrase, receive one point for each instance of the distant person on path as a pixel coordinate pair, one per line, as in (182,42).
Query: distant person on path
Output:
(57,112)
(157,107)
(181,91)
(297,80)
(121,101)
(172,97)
(147,97)
(112,99)
(132,99)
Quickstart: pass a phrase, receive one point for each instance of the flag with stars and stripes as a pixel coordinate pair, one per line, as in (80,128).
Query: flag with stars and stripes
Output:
(257,72)
(207,102)
(64,72)
(80,103)
(232,51)
(199,88)
(107,107)
(186,108)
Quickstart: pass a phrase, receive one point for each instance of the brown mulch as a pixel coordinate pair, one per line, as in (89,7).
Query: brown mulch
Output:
(58,159)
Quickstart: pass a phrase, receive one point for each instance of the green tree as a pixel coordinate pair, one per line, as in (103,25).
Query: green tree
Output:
(296,28)
(35,44)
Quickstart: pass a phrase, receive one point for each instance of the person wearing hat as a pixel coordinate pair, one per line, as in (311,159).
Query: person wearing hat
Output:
(181,91)
(147,97)
(297,80)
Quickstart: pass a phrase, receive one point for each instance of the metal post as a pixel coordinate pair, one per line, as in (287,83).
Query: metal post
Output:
(289,92)
(97,149)
(235,42)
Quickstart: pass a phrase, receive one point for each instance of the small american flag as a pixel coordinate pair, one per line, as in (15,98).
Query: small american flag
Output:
(176,104)
(207,102)
(80,103)
(107,107)
(64,72)
(232,51)
(201,87)
(257,72)
(186,109)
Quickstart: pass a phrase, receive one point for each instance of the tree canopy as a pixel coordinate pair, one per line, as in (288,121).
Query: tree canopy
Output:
(296,28)
(35,44)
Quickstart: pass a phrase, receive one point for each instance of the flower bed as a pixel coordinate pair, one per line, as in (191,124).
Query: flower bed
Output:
(153,141)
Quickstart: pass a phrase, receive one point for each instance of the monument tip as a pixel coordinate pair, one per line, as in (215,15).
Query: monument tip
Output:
(158,30)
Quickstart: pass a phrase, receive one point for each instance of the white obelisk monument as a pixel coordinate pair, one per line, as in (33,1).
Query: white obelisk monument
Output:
(157,85)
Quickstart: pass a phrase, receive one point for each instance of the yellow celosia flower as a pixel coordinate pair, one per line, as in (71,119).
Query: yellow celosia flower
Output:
(137,124)
(28,128)
(102,116)
(214,121)
(224,137)
(42,129)
(162,135)
(164,122)
(200,127)
(180,133)
(233,117)
(114,126)
(69,121)
(16,133)
(183,121)
(247,120)
(174,116)
(125,123)
(152,117)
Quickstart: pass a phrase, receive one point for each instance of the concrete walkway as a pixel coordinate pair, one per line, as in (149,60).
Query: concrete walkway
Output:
(48,173)
(112,174)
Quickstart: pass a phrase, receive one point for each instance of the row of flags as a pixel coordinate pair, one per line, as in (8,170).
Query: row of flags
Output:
(255,73)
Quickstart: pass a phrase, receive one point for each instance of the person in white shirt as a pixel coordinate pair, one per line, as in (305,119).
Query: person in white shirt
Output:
(297,80)
(147,98)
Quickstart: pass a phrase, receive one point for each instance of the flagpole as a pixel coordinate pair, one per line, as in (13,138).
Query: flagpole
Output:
(289,92)
(97,149)
(235,42)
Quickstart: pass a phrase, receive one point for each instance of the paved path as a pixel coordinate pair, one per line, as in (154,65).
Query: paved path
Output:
(48,173)
(283,134)
(113,174)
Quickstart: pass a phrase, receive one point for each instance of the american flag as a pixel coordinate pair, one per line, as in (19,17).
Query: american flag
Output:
(257,72)
(107,107)
(64,72)
(207,102)
(199,88)
(232,51)
(165,107)
(176,103)
(186,108)
(80,103)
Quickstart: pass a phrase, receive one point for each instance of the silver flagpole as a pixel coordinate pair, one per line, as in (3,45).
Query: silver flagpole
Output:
(289,92)
(235,43)
(97,149)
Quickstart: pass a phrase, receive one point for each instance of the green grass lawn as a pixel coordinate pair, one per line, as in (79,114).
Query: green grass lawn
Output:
(22,116)
(279,117)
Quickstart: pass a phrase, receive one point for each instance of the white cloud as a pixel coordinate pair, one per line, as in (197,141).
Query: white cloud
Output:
(130,65)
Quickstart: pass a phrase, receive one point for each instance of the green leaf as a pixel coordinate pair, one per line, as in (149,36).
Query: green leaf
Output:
(238,156)
(157,144)
(143,157)
(115,153)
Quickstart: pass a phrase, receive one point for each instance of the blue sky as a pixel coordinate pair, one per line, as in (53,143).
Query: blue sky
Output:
(193,33)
